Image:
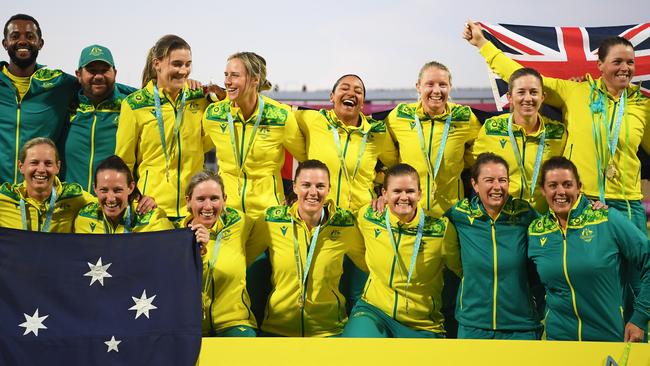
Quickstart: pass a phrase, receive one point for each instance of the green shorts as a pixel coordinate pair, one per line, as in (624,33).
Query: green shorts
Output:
(467,332)
(237,331)
(366,321)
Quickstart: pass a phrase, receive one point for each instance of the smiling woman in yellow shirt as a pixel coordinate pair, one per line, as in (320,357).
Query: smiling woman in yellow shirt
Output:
(115,211)
(406,251)
(432,135)
(159,134)
(41,202)
(251,132)
(222,232)
(524,138)
(348,142)
(306,242)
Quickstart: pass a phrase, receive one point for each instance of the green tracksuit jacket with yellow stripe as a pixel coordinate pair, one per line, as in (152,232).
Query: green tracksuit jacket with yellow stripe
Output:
(42,112)
(580,268)
(495,291)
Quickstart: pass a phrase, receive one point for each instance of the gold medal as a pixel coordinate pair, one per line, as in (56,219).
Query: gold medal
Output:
(611,171)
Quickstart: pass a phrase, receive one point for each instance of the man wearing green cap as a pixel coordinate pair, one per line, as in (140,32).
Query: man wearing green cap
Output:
(91,132)
(34,99)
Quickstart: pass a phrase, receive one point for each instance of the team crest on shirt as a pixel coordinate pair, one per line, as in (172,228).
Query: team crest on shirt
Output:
(193,107)
(92,227)
(542,241)
(412,124)
(61,208)
(226,234)
(47,85)
(264,132)
(335,234)
(223,126)
(377,232)
(587,235)
(503,143)
(471,219)
(283,228)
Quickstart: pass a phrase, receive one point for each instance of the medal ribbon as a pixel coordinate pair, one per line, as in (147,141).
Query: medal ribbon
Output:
(240,161)
(127,222)
(161,125)
(432,171)
(416,249)
(48,215)
(341,155)
(303,274)
(521,163)
(213,258)
(599,113)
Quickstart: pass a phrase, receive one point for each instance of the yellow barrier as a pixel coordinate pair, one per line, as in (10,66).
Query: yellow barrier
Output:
(397,352)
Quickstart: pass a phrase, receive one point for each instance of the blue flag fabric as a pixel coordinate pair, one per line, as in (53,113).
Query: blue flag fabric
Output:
(72,299)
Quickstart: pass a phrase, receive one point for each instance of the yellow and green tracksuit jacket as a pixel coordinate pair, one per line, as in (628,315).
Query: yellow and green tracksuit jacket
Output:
(90,136)
(70,198)
(260,184)
(386,288)
(138,143)
(91,220)
(574,98)
(42,112)
(229,304)
(462,132)
(493,137)
(580,268)
(317,127)
(323,313)
(495,290)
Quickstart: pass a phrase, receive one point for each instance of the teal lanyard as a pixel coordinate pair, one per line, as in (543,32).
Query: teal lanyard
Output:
(433,172)
(213,259)
(161,124)
(127,222)
(48,216)
(240,161)
(416,248)
(304,273)
(598,106)
(519,159)
(341,154)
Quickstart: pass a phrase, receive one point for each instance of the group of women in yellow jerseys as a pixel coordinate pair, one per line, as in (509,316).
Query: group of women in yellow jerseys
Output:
(403,239)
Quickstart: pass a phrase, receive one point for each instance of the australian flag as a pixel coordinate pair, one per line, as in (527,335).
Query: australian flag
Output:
(73,299)
(565,52)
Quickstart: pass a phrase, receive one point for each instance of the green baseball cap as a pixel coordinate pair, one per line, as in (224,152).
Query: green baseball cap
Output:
(95,53)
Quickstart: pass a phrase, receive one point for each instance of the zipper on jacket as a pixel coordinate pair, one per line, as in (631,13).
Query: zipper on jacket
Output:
(241,164)
(92,151)
(392,271)
(568,281)
(17,141)
(429,182)
(338,187)
(494,303)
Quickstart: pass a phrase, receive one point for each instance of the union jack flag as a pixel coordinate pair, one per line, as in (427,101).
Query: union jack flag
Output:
(565,52)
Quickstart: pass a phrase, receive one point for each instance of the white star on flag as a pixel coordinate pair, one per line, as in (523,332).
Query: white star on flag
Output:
(112,344)
(98,272)
(143,304)
(33,323)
